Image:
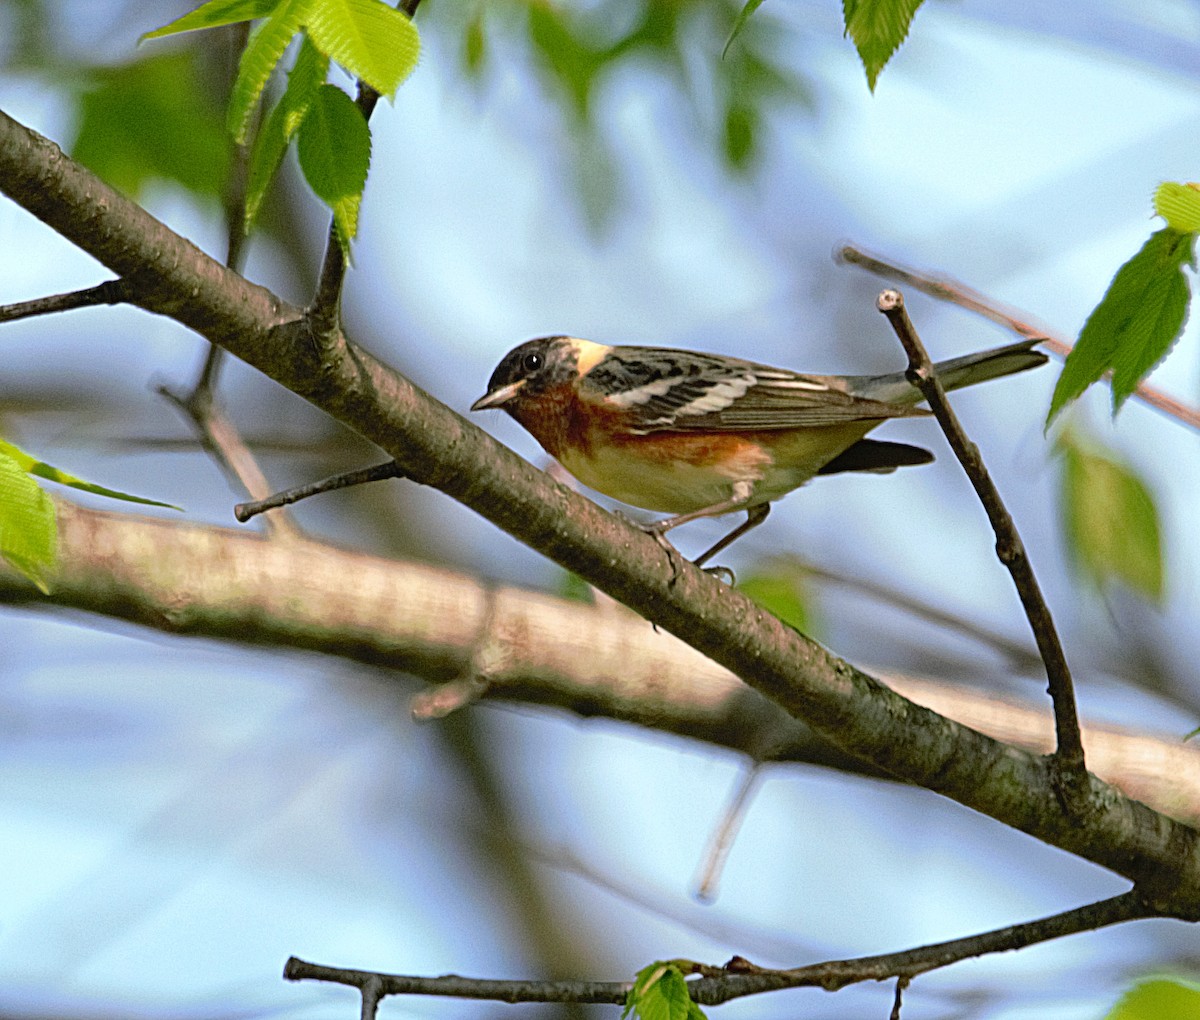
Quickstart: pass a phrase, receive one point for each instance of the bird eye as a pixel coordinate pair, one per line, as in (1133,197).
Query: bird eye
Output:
(532,361)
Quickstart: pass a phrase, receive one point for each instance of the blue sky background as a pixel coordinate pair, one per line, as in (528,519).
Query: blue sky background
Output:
(179,816)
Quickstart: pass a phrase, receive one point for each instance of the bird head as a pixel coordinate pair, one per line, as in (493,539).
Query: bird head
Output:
(530,370)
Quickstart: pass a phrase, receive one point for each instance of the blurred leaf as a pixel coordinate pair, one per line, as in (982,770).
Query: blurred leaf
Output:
(371,40)
(33,466)
(28,526)
(780,589)
(475,44)
(264,50)
(306,76)
(1135,324)
(334,145)
(567,55)
(660,993)
(741,123)
(743,17)
(1179,205)
(153,120)
(878,27)
(215,13)
(1111,522)
(1158,999)
(574,588)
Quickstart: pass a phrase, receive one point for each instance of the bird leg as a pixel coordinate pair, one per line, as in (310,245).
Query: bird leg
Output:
(754,517)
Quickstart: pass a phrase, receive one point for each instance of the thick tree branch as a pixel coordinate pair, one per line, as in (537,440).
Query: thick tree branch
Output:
(507,643)
(436,447)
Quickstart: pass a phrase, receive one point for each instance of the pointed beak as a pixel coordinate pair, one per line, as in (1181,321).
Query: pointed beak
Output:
(499,397)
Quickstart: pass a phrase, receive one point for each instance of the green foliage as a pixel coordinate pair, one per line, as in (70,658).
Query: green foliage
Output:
(334,145)
(307,75)
(1179,205)
(1111,522)
(214,14)
(878,27)
(374,42)
(475,44)
(1135,324)
(1158,999)
(153,119)
(28,463)
(660,993)
(264,50)
(780,589)
(28,526)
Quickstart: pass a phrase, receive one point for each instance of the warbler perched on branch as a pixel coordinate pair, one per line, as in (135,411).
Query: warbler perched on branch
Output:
(700,435)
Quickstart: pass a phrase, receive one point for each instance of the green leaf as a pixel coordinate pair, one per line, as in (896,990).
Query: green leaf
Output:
(1158,999)
(878,27)
(1111,522)
(29,463)
(264,50)
(373,41)
(743,17)
(153,119)
(334,145)
(741,128)
(307,75)
(1135,324)
(660,993)
(1179,205)
(214,14)
(28,526)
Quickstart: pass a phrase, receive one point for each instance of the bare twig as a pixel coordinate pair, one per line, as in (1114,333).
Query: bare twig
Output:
(901,984)
(945,288)
(726,832)
(740,978)
(1068,757)
(110,292)
(360,476)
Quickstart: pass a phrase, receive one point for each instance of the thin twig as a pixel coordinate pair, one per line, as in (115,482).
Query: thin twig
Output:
(722,839)
(1068,760)
(110,292)
(740,978)
(377,472)
(901,984)
(945,288)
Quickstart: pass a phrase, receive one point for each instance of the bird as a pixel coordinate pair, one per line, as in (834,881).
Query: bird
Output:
(699,435)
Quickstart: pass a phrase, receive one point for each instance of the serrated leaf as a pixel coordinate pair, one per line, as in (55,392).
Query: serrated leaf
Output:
(263,51)
(28,525)
(334,145)
(214,14)
(1158,999)
(29,463)
(307,75)
(665,997)
(1179,205)
(1111,522)
(743,17)
(878,27)
(153,120)
(371,40)
(1135,324)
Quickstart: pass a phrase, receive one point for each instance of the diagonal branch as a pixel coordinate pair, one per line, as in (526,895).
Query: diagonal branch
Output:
(110,292)
(945,288)
(436,447)
(1071,774)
